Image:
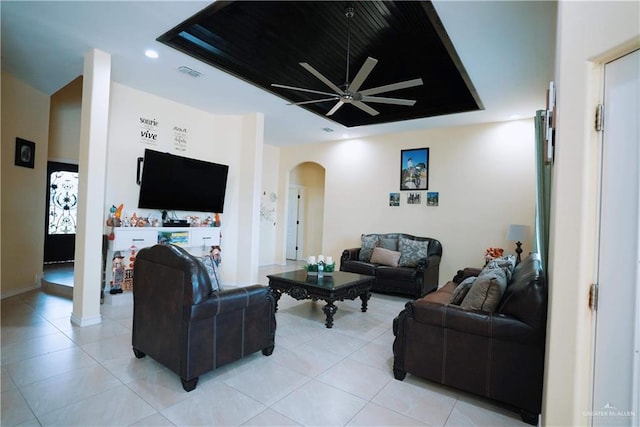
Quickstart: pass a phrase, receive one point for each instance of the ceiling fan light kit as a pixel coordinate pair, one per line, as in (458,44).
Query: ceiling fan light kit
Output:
(349,93)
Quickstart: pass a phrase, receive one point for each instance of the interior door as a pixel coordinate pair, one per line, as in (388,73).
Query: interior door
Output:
(61,215)
(616,357)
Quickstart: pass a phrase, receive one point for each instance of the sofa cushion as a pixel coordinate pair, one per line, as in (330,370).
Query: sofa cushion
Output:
(411,251)
(384,256)
(441,296)
(367,243)
(396,274)
(486,291)
(359,267)
(388,243)
(461,290)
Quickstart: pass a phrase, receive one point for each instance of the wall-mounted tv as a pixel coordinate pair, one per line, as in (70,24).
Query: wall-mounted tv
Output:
(171,182)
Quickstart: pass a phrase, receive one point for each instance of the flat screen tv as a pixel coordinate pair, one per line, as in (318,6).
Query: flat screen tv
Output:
(171,182)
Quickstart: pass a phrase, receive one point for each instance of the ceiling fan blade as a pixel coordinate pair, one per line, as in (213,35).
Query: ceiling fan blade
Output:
(393,86)
(322,78)
(364,107)
(362,74)
(314,101)
(335,108)
(394,101)
(301,89)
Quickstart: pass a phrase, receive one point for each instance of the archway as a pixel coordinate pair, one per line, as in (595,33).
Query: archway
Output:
(305,208)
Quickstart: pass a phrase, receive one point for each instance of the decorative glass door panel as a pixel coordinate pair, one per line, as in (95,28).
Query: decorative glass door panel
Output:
(62,208)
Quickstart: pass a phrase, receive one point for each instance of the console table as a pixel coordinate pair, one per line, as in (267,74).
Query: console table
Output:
(193,239)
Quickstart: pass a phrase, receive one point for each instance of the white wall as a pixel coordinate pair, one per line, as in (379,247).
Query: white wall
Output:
(589,33)
(25,114)
(268,206)
(484,174)
(208,137)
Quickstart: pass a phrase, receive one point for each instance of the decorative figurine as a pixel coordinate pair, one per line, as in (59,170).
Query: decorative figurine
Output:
(117,267)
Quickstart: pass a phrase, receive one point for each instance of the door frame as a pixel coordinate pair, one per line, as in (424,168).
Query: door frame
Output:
(63,242)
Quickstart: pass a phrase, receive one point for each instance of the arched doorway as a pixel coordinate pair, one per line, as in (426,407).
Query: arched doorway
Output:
(305,208)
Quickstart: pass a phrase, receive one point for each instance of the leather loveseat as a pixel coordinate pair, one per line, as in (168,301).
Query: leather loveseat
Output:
(498,355)
(409,265)
(179,320)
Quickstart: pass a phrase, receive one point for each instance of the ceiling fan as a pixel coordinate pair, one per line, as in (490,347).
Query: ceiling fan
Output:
(349,93)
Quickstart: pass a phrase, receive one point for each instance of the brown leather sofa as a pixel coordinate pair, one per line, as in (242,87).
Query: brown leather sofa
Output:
(497,355)
(414,281)
(180,322)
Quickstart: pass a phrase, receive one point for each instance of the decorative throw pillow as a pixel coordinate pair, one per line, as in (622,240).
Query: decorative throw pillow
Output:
(461,290)
(506,263)
(411,251)
(212,270)
(368,242)
(388,243)
(384,256)
(486,291)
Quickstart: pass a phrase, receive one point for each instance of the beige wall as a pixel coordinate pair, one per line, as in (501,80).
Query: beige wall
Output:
(589,33)
(64,123)
(25,114)
(484,174)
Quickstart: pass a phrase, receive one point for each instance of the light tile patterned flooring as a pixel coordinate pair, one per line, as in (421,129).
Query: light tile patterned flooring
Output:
(54,373)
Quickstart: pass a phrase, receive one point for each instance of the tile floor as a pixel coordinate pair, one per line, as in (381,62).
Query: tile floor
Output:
(54,373)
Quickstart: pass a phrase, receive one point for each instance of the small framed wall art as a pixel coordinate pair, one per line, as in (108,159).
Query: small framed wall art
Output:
(25,153)
(414,169)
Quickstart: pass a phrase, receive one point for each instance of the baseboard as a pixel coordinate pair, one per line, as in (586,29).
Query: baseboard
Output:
(19,291)
(86,321)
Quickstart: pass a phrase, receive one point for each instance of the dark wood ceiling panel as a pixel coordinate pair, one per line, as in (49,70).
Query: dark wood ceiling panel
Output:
(263,42)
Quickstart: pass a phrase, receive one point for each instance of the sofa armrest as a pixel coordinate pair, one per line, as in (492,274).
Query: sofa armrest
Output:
(473,322)
(352,254)
(427,274)
(432,261)
(230,300)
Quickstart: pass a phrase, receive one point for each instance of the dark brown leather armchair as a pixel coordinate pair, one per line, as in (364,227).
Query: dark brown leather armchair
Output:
(180,322)
(497,355)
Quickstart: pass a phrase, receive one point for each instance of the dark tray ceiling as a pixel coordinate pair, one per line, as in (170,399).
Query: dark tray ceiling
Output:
(263,42)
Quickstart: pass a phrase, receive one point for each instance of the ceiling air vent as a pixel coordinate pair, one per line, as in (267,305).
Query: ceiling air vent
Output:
(190,71)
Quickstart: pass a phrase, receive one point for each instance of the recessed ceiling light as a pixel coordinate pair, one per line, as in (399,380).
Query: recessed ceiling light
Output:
(150,53)
(327,130)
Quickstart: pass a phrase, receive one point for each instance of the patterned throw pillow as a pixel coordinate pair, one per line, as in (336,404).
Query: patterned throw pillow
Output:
(384,256)
(368,243)
(411,251)
(506,263)
(461,290)
(212,271)
(486,291)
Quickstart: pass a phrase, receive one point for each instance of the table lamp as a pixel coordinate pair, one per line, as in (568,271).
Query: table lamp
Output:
(518,233)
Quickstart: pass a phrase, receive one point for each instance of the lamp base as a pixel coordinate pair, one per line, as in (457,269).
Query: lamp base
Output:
(518,252)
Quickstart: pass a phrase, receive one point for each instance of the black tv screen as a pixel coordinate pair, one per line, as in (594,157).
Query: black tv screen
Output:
(171,182)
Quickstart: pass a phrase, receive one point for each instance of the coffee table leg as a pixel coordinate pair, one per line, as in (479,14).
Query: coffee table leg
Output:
(276,297)
(365,298)
(329,309)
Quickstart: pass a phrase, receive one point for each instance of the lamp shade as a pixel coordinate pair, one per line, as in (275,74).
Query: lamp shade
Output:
(518,232)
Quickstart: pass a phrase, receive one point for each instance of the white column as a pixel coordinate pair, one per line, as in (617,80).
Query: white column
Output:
(92,169)
(249,206)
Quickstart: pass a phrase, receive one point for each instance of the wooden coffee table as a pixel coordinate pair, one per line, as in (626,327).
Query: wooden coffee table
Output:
(337,287)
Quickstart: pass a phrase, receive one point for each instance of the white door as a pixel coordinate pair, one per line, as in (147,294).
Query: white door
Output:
(295,226)
(616,357)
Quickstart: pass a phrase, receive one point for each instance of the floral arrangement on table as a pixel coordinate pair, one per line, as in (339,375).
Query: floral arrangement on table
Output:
(492,253)
(328,264)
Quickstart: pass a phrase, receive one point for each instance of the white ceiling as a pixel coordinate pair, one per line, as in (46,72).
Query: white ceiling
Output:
(507,48)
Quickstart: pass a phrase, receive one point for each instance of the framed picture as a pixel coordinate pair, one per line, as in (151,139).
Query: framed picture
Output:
(25,153)
(394,199)
(433,198)
(414,169)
